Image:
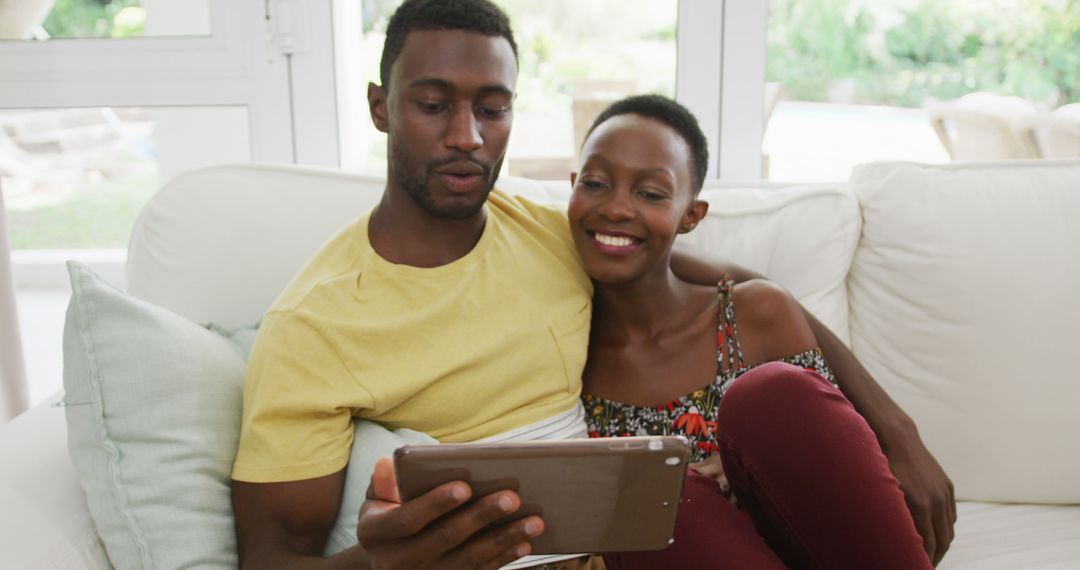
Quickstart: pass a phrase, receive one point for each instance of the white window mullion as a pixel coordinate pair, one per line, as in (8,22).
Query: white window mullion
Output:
(306,38)
(742,96)
(721,78)
(698,76)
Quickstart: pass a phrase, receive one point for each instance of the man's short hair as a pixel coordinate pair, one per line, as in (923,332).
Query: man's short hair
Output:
(478,16)
(672,114)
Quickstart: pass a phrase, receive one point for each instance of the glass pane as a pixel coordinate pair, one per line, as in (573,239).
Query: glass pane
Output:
(852,81)
(576,58)
(77,178)
(63,19)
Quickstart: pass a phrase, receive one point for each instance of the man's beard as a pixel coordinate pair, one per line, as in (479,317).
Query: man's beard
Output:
(413,179)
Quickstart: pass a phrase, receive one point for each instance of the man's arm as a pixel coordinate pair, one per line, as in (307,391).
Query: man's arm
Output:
(927,490)
(286,525)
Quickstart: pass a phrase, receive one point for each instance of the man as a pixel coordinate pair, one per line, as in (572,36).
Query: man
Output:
(451,311)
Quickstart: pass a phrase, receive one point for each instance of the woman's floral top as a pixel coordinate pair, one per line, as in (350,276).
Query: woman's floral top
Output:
(692,416)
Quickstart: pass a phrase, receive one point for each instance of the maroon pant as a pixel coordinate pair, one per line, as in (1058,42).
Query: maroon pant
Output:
(814,487)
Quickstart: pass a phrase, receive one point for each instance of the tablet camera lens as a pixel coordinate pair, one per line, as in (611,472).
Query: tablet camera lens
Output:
(673,461)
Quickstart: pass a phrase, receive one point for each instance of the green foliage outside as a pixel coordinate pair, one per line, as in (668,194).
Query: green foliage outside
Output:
(887,52)
(96,216)
(94,19)
(902,52)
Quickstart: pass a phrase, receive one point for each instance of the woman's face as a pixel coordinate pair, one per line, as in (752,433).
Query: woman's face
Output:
(632,196)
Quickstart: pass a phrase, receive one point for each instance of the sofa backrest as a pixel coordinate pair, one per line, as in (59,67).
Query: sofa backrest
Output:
(965,299)
(219,244)
(962,292)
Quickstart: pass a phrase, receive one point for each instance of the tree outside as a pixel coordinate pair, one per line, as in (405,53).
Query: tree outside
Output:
(95,19)
(903,52)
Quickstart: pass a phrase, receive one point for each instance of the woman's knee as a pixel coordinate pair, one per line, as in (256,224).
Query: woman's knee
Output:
(773,388)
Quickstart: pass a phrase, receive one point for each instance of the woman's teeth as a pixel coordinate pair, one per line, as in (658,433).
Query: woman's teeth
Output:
(614,241)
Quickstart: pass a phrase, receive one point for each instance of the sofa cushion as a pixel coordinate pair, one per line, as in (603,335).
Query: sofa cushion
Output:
(964,307)
(801,237)
(44,521)
(993,535)
(257,224)
(209,230)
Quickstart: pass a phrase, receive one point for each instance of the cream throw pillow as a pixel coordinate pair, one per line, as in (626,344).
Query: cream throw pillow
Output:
(964,306)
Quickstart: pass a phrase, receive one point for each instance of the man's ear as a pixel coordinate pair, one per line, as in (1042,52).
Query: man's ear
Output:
(694,214)
(377,105)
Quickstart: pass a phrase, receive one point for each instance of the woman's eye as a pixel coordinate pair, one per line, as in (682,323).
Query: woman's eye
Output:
(651,196)
(591,184)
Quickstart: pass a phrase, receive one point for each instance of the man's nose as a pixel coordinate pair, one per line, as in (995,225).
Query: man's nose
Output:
(463,132)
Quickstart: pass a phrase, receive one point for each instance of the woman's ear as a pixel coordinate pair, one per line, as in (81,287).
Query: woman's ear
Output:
(376,97)
(694,214)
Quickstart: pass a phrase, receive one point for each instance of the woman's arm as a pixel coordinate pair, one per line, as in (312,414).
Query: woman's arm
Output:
(928,491)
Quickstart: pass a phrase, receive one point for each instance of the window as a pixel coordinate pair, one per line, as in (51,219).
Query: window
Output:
(853,81)
(77,178)
(82,19)
(575,59)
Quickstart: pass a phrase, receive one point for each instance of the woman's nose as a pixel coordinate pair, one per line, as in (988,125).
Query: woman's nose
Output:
(617,206)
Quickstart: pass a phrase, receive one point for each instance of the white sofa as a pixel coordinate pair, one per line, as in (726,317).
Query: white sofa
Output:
(956,286)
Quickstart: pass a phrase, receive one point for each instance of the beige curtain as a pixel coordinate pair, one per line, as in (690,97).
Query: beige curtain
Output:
(13,391)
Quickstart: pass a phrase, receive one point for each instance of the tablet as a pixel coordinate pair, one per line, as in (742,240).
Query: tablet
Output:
(595,495)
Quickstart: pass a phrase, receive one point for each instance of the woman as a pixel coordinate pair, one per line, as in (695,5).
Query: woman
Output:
(736,371)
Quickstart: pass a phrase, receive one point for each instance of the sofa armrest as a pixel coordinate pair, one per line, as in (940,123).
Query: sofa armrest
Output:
(44,521)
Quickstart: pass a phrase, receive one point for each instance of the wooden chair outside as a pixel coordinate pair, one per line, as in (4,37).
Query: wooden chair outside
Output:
(1059,135)
(985,126)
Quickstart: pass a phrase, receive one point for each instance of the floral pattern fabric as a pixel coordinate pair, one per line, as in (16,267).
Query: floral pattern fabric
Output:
(693,415)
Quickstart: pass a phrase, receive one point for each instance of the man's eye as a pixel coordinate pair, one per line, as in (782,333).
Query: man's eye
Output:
(432,106)
(492,112)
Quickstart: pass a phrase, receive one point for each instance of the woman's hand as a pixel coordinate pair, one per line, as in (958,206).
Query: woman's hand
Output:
(712,467)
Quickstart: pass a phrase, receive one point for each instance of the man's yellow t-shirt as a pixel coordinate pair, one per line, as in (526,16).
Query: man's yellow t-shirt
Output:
(492,341)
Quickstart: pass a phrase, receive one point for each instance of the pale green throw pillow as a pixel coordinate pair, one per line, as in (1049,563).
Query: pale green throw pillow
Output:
(153,414)
(371,442)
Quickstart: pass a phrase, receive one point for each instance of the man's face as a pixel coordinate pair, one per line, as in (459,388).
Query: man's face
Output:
(448,112)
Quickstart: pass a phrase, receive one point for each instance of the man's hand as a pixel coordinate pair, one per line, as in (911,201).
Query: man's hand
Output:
(927,490)
(435,530)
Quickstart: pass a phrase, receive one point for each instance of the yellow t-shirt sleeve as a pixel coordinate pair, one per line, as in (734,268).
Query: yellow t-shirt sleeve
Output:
(299,401)
(550,215)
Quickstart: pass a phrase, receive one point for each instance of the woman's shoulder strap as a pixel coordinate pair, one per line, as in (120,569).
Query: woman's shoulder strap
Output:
(729,356)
